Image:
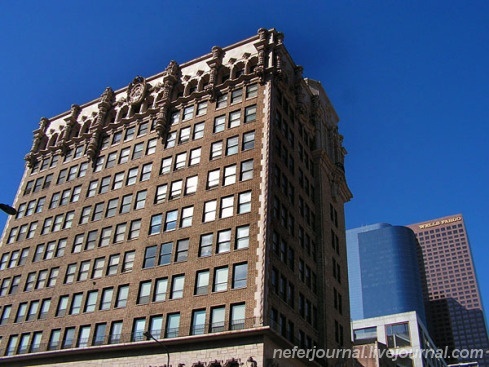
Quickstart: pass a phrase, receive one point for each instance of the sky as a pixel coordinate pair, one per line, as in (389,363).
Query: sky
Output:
(409,80)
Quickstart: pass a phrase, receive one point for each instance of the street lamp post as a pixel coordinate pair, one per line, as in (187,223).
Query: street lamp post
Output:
(8,209)
(148,335)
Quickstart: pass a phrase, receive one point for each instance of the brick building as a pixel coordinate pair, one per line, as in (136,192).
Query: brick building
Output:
(203,205)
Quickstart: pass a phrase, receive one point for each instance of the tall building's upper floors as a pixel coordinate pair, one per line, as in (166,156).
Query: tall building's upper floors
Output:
(209,202)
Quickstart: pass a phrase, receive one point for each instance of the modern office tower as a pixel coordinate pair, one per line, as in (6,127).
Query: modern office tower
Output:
(384,271)
(457,316)
(405,336)
(195,215)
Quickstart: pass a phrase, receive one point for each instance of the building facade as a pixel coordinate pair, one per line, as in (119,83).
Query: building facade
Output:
(201,207)
(384,271)
(405,336)
(457,317)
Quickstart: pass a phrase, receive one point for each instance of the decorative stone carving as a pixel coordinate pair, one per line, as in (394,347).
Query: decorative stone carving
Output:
(106,101)
(215,363)
(250,362)
(161,121)
(39,141)
(136,91)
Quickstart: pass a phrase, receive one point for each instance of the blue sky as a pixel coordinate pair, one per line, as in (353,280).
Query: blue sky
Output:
(409,80)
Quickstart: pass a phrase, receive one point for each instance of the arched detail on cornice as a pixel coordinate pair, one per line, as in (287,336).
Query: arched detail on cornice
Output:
(191,87)
(52,140)
(86,127)
(238,70)
(203,82)
(251,65)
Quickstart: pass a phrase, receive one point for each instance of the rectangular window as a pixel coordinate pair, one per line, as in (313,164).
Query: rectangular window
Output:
(244,202)
(130,133)
(219,123)
(202,108)
(115,332)
(91,240)
(229,175)
(146,172)
(33,310)
(184,135)
(250,114)
(91,301)
(98,268)
(237,317)
(166,165)
(198,322)
(187,215)
(176,189)
(216,150)
(171,139)
(99,334)
(83,271)
(205,247)
(122,294)
(240,274)
(124,156)
(125,205)
(171,220)
(182,250)
(210,208)
(237,95)
(180,161)
(201,282)
(76,304)
(92,188)
(160,195)
(194,156)
(137,151)
(134,229)
(198,131)
(213,178)
(165,253)
(111,208)
(188,113)
(119,179)
(251,90)
(128,263)
(113,265)
(140,199)
(104,185)
(117,137)
(249,140)
(172,325)
(191,185)
(144,292)
(105,236)
(177,285)
(132,176)
(217,319)
(227,206)
(222,101)
(160,290)
(149,257)
(246,170)
(106,299)
(234,119)
(151,148)
(224,241)
(220,279)
(111,159)
(120,231)
(232,145)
